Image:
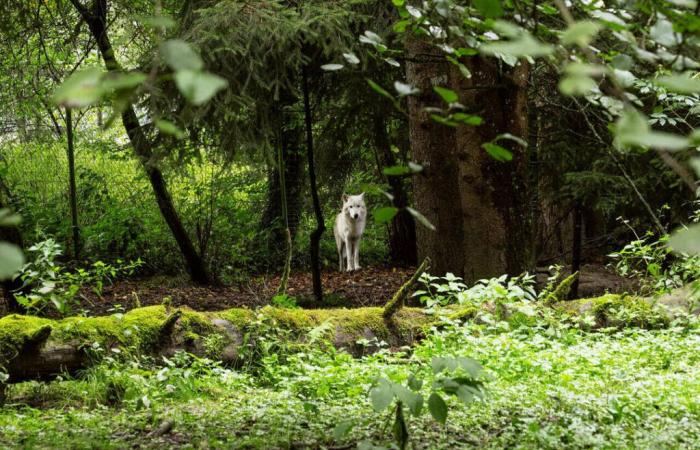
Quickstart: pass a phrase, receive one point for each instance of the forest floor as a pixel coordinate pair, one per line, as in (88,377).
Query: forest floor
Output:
(370,286)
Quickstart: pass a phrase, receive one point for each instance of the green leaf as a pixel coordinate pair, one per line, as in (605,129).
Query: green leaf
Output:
(489,8)
(681,84)
(497,152)
(443,120)
(351,58)
(199,87)
(521,43)
(437,407)
(686,240)
(342,429)
(170,128)
(414,383)
(577,85)
(380,89)
(121,81)
(180,55)
(448,95)
(471,366)
(411,399)
(156,21)
(11,260)
(332,67)
(381,396)
(396,170)
(385,214)
(632,130)
(467,119)
(580,33)
(421,218)
(83,88)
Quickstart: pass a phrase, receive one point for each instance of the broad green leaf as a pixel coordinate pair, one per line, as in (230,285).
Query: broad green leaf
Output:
(198,87)
(371,38)
(415,167)
(81,89)
(448,95)
(11,260)
(443,120)
(622,62)
(497,152)
(686,240)
(632,130)
(401,25)
(491,9)
(577,85)
(465,395)
(332,67)
(405,89)
(414,383)
(521,43)
(462,68)
(471,366)
(381,396)
(170,128)
(180,55)
(437,407)
(421,218)
(580,33)
(385,214)
(118,81)
(681,84)
(342,429)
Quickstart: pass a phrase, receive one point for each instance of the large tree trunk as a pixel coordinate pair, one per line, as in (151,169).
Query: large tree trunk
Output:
(96,18)
(479,206)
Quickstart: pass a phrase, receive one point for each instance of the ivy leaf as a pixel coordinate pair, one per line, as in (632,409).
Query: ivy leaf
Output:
(448,95)
(437,407)
(180,55)
(385,214)
(421,218)
(681,84)
(497,152)
(580,33)
(199,87)
(11,260)
(686,240)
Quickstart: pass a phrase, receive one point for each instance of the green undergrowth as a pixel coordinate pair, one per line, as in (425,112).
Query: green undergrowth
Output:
(549,387)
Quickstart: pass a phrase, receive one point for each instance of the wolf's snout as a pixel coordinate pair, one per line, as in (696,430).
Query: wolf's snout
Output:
(355,216)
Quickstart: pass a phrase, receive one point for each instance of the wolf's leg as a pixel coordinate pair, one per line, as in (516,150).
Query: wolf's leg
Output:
(341,255)
(356,255)
(349,248)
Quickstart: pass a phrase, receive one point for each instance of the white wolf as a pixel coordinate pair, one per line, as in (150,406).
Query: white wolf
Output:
(348,228)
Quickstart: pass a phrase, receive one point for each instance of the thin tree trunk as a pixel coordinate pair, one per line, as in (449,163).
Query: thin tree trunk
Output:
(96,20)
(73,195)
(402,230)
(320,225)
(576,248)
(13,235)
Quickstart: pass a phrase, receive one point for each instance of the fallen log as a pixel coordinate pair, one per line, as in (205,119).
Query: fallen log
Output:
(34,348)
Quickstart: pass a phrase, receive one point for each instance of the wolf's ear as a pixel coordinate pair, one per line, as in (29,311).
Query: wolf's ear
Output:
(362,196)
(345,198)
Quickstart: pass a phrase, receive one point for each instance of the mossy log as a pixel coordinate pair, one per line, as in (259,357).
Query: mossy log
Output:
(33,348)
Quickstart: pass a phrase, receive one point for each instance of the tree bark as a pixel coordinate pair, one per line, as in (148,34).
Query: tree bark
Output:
(96,21)
(479,206)
(318,213)
(13,235)
(576,247)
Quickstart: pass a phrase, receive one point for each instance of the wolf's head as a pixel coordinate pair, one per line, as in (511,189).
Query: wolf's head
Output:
(354,206)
